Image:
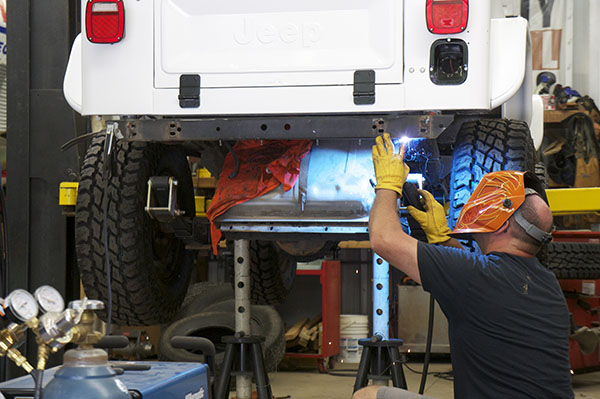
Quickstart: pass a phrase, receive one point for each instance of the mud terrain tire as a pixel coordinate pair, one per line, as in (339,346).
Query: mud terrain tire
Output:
(485,146)
(150,269)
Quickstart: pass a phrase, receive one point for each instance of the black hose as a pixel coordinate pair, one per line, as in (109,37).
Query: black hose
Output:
(78,139)
(428,345)
(38,378)
(236,161)
(106,255)
(4,266)
(106,175)
(4,253)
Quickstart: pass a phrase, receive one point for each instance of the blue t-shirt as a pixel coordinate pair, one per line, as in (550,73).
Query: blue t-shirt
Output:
(508,323)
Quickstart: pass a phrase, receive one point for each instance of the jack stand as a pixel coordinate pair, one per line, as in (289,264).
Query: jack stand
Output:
(243,347)
(380,359)
(246,353)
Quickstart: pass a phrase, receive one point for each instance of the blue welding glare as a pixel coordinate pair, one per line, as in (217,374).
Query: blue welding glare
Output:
(412,145)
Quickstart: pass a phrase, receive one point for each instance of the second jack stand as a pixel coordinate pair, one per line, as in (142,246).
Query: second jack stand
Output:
(380,359)
(243,350)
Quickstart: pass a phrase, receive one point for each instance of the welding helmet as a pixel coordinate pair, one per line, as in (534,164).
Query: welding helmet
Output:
(495,199)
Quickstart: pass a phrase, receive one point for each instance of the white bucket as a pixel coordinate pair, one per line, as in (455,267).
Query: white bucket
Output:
(352,328)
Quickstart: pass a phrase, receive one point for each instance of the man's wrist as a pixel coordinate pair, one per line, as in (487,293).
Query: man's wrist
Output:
(395,189)
(388,194)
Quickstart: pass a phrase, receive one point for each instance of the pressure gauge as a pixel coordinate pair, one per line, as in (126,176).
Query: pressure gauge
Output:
(49,299)
(20,306)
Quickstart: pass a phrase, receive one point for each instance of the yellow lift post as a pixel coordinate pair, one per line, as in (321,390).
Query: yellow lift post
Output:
(571,201)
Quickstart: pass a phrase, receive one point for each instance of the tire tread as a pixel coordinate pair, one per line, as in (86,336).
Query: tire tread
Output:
(484,146)
(138,298)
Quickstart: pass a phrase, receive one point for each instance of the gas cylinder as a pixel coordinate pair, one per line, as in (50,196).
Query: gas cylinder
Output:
(85,373)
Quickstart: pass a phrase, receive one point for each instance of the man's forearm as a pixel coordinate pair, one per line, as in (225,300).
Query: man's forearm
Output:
(383,218)
(388,239)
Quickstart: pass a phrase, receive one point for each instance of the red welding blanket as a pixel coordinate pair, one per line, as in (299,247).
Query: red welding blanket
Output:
(262,167)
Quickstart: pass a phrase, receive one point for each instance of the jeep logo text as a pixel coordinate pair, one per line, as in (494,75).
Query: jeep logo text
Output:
(305,34)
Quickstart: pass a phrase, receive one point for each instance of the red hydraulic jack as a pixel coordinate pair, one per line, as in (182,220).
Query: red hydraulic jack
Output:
(583,300)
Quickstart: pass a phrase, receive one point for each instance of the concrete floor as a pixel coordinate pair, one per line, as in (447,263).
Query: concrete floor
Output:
(310,384)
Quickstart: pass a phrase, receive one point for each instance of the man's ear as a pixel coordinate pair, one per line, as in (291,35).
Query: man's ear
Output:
(503,228)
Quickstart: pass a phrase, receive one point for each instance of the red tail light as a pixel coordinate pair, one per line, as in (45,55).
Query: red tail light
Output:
(447,16)
(104,21)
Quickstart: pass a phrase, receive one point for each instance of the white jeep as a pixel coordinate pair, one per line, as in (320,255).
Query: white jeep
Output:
(189,78)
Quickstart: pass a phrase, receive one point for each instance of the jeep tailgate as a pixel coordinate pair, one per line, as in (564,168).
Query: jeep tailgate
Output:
(264,43)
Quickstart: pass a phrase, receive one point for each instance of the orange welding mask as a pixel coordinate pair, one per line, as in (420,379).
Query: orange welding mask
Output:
(495,199)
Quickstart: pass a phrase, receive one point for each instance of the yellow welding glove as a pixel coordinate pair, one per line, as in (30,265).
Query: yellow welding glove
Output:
(432,220)
(390,169)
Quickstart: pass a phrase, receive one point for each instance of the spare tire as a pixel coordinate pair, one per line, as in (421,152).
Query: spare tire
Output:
(485,146)
(271,327)
(214,325)
(204,294)
(150,269)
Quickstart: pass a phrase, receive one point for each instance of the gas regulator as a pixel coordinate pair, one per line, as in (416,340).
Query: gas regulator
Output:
(45,315)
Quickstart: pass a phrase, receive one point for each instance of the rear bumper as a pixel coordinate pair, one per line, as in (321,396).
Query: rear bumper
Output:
(285,127)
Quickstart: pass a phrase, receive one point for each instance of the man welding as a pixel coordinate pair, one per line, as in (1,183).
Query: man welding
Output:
(508,320)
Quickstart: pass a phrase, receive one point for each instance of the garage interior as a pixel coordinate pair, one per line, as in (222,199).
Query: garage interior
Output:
(309,288)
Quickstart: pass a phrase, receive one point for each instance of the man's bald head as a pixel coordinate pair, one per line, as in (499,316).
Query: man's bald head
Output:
(536,212)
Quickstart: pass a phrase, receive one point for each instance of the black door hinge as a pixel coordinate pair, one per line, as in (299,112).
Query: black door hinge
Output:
(189,91)
(364,87)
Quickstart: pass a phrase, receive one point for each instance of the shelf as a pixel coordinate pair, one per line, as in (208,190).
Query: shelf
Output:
(330,309)
(557,116)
